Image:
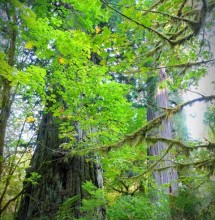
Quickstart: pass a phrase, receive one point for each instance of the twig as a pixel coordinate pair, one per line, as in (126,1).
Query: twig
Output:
(195,92)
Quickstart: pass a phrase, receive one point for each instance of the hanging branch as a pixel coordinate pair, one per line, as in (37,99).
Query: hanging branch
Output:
(171,144)
(196,28)
(199,163)
(178,143)
(151,168)
(156,121)
(152,52)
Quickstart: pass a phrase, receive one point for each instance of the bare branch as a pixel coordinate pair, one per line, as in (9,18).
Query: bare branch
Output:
(195,92)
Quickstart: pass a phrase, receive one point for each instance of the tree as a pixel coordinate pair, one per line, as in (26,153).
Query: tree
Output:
(13,79)
(78,111)
(6,77)
(168,176)
(164,41)
(129,32)
(76,62)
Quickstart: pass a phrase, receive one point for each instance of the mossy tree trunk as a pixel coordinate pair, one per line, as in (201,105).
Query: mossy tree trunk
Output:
(169,175)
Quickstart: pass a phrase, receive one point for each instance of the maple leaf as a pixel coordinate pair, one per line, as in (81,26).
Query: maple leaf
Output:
(61,60)
(30,119)
(29,45)
(97,29)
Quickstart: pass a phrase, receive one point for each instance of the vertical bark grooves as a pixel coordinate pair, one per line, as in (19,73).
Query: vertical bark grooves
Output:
(169,175)
(61,176)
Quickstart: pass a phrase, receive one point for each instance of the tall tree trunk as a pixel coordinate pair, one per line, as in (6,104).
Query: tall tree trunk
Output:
(6,96)
(4,115)
(61,178)
(169,175)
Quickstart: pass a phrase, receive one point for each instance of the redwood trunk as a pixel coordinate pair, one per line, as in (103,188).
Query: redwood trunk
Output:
(61,176)
(169,175)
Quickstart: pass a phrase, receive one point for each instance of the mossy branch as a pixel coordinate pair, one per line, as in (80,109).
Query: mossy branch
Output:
(153,6)
(151,167)
(178,143)
(186,65)
(181,8)
(140,134)
(199,163)
(156,121)
(138,23)
(195,25)
(190,22)
(171,143)
(177,34)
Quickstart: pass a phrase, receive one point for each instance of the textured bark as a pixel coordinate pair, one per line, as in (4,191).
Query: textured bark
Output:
(4,115)
(61,176)
(169,175)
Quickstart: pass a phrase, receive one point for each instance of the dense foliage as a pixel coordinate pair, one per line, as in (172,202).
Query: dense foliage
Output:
(93,65)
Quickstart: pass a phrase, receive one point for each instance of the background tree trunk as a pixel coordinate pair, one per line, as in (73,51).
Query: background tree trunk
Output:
(169,175)
(5,85)
(61,178)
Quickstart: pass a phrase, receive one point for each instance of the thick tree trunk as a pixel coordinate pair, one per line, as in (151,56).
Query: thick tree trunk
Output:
(167,176)
(61,176)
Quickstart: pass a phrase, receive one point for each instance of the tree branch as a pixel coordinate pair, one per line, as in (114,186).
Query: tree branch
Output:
(11,200)
(181,8)
(187,65)
(140,134)
(195,92)
(194,25)
(146,11)
(199,163)
(154,6)
(151,168)
(136,22)
(179,143)
(190,22)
